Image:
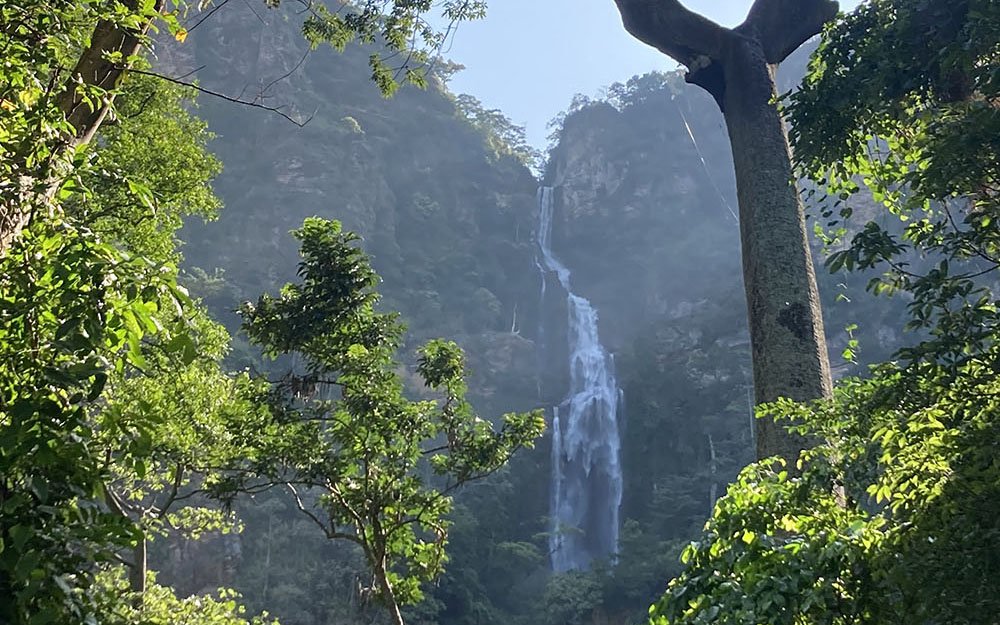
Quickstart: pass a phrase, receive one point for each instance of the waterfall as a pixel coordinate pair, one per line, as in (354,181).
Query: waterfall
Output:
(586,482)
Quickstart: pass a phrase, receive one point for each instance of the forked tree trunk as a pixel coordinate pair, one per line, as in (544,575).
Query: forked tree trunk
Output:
(736,66)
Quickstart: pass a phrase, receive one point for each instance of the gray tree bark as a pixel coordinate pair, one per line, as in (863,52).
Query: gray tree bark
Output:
(737,67)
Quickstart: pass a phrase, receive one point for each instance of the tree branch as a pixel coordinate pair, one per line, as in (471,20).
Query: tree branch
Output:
(172,494)
(689,38)
(781,26)
(328,531)
(235,100)
(94,71)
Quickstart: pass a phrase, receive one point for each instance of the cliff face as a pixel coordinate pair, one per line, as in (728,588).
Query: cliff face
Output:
(644,194)
(639,217)
(646,215)
(446,219)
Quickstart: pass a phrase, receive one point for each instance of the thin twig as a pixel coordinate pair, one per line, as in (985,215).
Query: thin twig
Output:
(215,94)
(263,91)
(210,14)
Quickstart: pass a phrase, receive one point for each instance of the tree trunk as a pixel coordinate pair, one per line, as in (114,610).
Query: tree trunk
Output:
(736,66)
(137,572)
(388,593)
(786,324)
(138,566)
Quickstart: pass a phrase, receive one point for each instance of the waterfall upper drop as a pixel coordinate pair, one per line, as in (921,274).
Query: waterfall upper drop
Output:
(586,465)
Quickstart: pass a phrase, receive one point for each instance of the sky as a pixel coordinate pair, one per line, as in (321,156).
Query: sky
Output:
(529,57)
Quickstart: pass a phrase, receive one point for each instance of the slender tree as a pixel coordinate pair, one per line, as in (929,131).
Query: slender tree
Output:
(737,67)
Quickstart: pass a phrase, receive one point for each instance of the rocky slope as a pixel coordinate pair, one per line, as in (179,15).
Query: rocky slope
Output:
(645,196)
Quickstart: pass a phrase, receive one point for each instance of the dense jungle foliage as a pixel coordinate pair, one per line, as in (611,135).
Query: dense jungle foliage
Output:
(220,405)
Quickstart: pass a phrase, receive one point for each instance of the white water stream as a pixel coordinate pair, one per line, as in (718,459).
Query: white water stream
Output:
(586,465)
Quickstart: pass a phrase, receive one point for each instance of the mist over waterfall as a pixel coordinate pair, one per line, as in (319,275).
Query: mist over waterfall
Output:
(586,487)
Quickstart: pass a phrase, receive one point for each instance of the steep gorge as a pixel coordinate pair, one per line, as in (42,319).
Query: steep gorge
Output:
(641,215)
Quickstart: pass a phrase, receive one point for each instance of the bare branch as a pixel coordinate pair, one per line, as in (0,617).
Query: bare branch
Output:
(674,30)
(295,68)
(781,26)
(208,15)
(215,94)
(328,531)
(174,491)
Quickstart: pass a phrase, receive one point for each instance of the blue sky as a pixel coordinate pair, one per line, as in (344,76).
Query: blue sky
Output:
(528,57)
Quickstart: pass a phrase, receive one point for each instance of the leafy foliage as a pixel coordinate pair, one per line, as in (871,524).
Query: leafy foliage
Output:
(116,418)
(75,310)
(502,136)
(899,496)
(151,170)
(903,97)
(366,454)
(912,453)
(160,606)
(400,26)
(95,328)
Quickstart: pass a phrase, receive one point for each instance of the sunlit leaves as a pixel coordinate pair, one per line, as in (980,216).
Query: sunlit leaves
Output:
(159,605)
(406,29)
(72,308)
(901,97)
(91,313)
(893,517)
(897,500)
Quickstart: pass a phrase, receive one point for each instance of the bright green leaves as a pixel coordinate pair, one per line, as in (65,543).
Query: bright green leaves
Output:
(405,28)
(901,96)
(70,307)
(898,499)
(94,327)
(150,172)
(159,605)
(337,284)
(79,319)
(349,432)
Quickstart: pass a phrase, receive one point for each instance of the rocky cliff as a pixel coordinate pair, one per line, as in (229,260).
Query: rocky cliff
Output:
(445,217)
(645,219)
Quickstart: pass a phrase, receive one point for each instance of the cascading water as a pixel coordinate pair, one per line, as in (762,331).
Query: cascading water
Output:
(586,468)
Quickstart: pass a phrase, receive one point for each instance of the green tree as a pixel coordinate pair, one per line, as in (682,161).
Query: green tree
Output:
(151,170)
(112,396)
(361,465)
(112,401)
(503,138)
(70,307)
(162,607)
(903,97)
(909,533)
(735,66)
